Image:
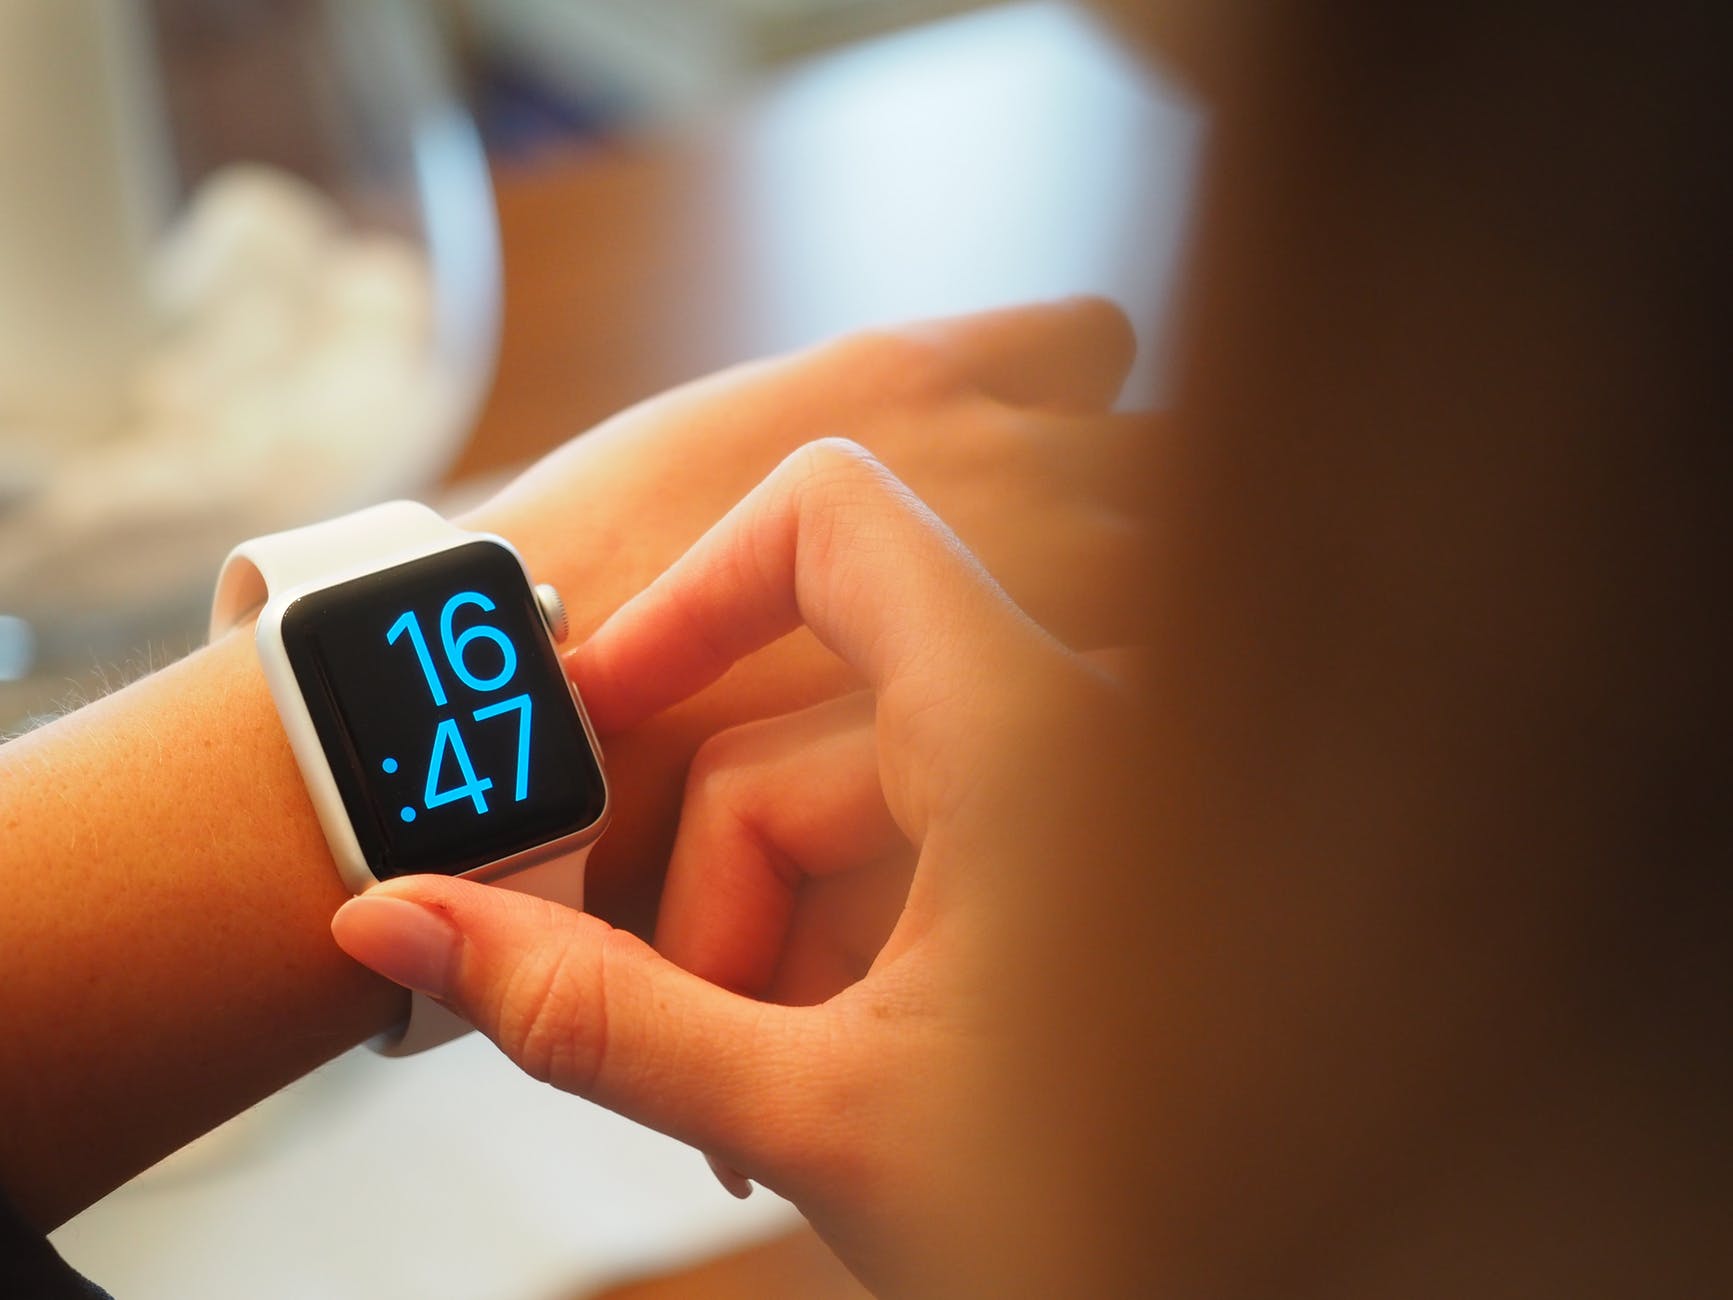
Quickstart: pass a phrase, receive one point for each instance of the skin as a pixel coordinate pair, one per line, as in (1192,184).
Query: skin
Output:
(1401,958)
(1400,965)
(166,947)
(994,420)
(857,1107)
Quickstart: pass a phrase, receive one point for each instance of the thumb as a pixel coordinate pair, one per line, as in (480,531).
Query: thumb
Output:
(591,1009)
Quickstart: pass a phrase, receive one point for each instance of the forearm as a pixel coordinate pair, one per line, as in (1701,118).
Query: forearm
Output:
(163,953)
(165,950)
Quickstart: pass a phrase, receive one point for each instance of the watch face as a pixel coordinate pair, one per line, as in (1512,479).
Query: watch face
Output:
(444,713)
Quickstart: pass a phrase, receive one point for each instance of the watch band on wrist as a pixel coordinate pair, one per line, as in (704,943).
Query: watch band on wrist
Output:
(375,559)
(266,566)
(431,1023)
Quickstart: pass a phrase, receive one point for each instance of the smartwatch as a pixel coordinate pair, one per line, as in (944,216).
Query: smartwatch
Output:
(414,668)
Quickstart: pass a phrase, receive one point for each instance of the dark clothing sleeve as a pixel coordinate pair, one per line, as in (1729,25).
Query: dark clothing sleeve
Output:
(29,1268)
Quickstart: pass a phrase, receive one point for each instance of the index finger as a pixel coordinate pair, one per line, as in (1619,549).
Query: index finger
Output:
(1072,355)
(830,539)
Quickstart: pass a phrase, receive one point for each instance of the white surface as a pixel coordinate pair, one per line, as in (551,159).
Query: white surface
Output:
(450,1176)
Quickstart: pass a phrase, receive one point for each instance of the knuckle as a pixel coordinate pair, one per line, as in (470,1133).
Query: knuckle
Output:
(551,1017)
(825,461)
(832,471)
(834,478)
(897,362)
(711,777)
(726,789)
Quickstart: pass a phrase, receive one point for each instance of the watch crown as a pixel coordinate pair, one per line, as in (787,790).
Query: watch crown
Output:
(553,610)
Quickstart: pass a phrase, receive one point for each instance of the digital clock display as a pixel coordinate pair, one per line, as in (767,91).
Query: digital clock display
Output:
(443,711)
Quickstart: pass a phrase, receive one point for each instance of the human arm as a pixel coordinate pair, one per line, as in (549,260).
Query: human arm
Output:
(165,952)
(869,1109)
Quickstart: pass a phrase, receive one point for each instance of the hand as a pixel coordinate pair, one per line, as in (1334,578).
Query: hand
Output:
(1000,421)
(866,1110)
(979,413)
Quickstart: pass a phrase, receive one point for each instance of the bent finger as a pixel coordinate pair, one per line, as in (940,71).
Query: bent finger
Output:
(1070,355)
(830,539)
(769,805)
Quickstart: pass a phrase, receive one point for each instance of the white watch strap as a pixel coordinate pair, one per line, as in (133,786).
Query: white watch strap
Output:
(327,553)
(269,565)
(560,880)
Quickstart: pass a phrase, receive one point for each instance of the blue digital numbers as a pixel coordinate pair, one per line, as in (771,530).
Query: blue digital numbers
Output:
(447,739)
(522,705)
(412,625)
(455,650)
(451,773)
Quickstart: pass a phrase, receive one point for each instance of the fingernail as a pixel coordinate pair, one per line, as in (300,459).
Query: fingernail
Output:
(732,1180)
(405,942)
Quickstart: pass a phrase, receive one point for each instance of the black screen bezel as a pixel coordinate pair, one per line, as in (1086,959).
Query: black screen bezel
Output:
(300,629)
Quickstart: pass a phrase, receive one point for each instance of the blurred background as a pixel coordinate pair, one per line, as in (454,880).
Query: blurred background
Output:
(262,261)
